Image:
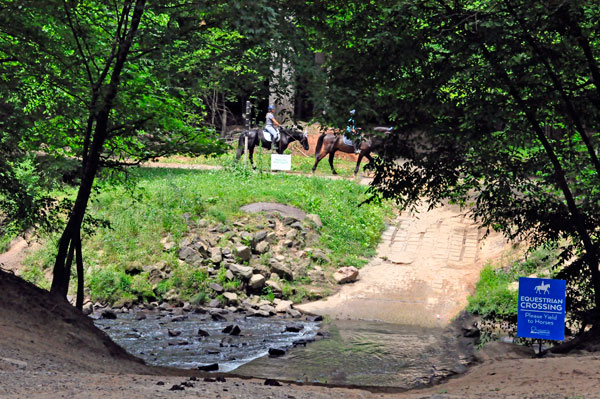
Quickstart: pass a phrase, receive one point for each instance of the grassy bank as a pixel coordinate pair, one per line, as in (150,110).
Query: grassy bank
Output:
(138,223)
(496,294)
(262,160)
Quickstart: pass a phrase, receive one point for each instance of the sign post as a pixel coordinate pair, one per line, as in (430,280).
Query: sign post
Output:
(541,312)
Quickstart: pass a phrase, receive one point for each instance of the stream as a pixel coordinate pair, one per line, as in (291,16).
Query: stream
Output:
(358,353)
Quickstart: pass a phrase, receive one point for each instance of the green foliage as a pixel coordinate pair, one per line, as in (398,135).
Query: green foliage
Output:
(108,284)
(494,298)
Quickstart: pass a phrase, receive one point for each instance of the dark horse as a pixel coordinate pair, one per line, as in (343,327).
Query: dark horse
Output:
(331,143)
(256,137)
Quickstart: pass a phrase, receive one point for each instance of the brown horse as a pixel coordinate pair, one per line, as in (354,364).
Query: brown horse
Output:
(331,143)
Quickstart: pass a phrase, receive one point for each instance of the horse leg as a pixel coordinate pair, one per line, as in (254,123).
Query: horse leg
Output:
(331,155)
(360,156)
(317,160)
(251,156)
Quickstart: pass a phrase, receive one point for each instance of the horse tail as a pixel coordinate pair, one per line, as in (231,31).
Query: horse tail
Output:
(319,145)
(240,149)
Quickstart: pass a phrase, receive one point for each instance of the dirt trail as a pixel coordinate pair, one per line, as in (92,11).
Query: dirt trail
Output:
(426,266)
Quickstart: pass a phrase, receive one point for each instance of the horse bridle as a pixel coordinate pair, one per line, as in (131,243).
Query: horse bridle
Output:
(284,131)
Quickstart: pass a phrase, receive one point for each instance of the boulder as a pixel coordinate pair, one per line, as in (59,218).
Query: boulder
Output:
(229,275)
(257,281)
(271,238)
(218,288)
(274,286)
(258,237)
(243,252)
(346,274)
(283,306)
(262,247)
(281,270)
(291,234)
(240,270)
(319,256)
(231,297)
(294,313)
(232,330)
(88,308)
(294,327)
(275,352)
(315,219)
(216,255)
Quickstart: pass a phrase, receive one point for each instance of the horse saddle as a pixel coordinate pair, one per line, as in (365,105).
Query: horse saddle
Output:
(269,136)
(347,141)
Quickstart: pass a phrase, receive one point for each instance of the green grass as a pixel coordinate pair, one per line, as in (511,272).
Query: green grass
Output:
(138,223)
(493,297)
(262,160)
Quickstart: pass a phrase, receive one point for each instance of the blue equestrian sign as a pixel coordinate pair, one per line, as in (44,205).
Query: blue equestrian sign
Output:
(541,312)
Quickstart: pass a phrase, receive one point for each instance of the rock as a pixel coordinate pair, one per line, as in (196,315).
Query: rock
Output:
(108,314)
(289,220)
(133,269)
(173,333)
(216,255)
(294,313)
(291,234)
(189,254)
(281,270)
(316,275)
(179,318)
(218,317)
(209,367)
(273,285)
(243,252)
(283,306)
(296,225)
(176,387)
(267,308)
(258,313)
(218,288)
(271,382)
(288,243)
(346,274)
(88,308)
(140,316)
(122,303)
(231,297)
(239,270)
(294,328)
(214,303)
(203,333)
(314,318)
(258,237)
(167,243)
(319,256)
(276,352)
(271,237)
(315,219)
(262,247)
(257,281)
(232,330)
(229,275)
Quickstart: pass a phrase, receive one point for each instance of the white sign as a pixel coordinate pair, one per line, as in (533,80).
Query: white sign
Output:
(281,162)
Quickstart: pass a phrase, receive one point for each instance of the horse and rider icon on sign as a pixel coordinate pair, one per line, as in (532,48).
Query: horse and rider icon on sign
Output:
(541,311)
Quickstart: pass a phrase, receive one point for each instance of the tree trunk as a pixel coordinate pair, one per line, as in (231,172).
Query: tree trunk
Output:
(71,238)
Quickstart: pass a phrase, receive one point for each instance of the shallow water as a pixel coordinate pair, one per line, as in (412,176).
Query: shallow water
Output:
(149,339)
(360,353)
